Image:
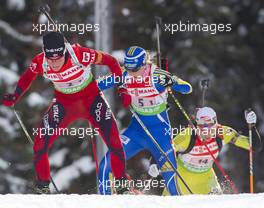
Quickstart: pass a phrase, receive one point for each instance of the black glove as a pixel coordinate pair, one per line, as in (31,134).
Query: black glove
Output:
(165,78)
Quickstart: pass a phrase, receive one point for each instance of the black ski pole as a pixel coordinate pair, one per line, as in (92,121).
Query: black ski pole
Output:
(158,22)
(45,10)
(205,86)
(31,142)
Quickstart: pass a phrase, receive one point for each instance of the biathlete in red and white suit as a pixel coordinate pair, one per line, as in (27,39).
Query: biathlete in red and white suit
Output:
(77,96)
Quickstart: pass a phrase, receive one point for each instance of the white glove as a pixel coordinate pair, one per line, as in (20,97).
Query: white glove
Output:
(153,170)
(251,117)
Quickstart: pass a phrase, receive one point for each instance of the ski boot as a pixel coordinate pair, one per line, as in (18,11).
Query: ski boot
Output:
(125,186)
(42,187)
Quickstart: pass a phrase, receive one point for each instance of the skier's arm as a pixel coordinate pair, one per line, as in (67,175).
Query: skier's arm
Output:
(23,84)
(182,140)
(103,58)
(163,79)
(182,86)
(108,81)
(231,135)
(91,56)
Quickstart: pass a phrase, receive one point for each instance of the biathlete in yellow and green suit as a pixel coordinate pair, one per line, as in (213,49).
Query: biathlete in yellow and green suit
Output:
(195,164)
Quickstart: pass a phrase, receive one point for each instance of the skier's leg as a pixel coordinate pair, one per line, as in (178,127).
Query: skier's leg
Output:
(54,119)
(162,135)
(167,172)
(213,183)
(131,148)
(102,118)
(105,176)
(199,183)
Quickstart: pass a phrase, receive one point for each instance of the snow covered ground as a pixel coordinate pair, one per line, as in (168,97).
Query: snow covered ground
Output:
(128,201)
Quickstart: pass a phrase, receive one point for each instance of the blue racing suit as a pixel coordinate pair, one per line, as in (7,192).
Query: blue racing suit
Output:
(149,100)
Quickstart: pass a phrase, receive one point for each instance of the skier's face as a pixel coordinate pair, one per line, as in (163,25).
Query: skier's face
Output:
(207,131)
(57,63)
(137,73)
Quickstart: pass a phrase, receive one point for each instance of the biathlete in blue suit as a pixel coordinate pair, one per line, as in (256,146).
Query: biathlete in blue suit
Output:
(144,87)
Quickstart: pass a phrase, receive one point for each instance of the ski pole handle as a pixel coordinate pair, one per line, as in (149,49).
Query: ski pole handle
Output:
(45,10)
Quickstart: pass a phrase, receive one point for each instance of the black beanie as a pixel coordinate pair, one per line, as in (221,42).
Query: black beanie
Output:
(53,44)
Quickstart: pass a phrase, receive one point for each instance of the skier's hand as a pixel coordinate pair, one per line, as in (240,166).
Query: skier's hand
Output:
(166,79)
(9,99)
(153,170)
(125,97)
(251,117)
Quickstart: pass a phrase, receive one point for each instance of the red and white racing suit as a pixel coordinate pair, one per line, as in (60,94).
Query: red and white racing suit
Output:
(76,97)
